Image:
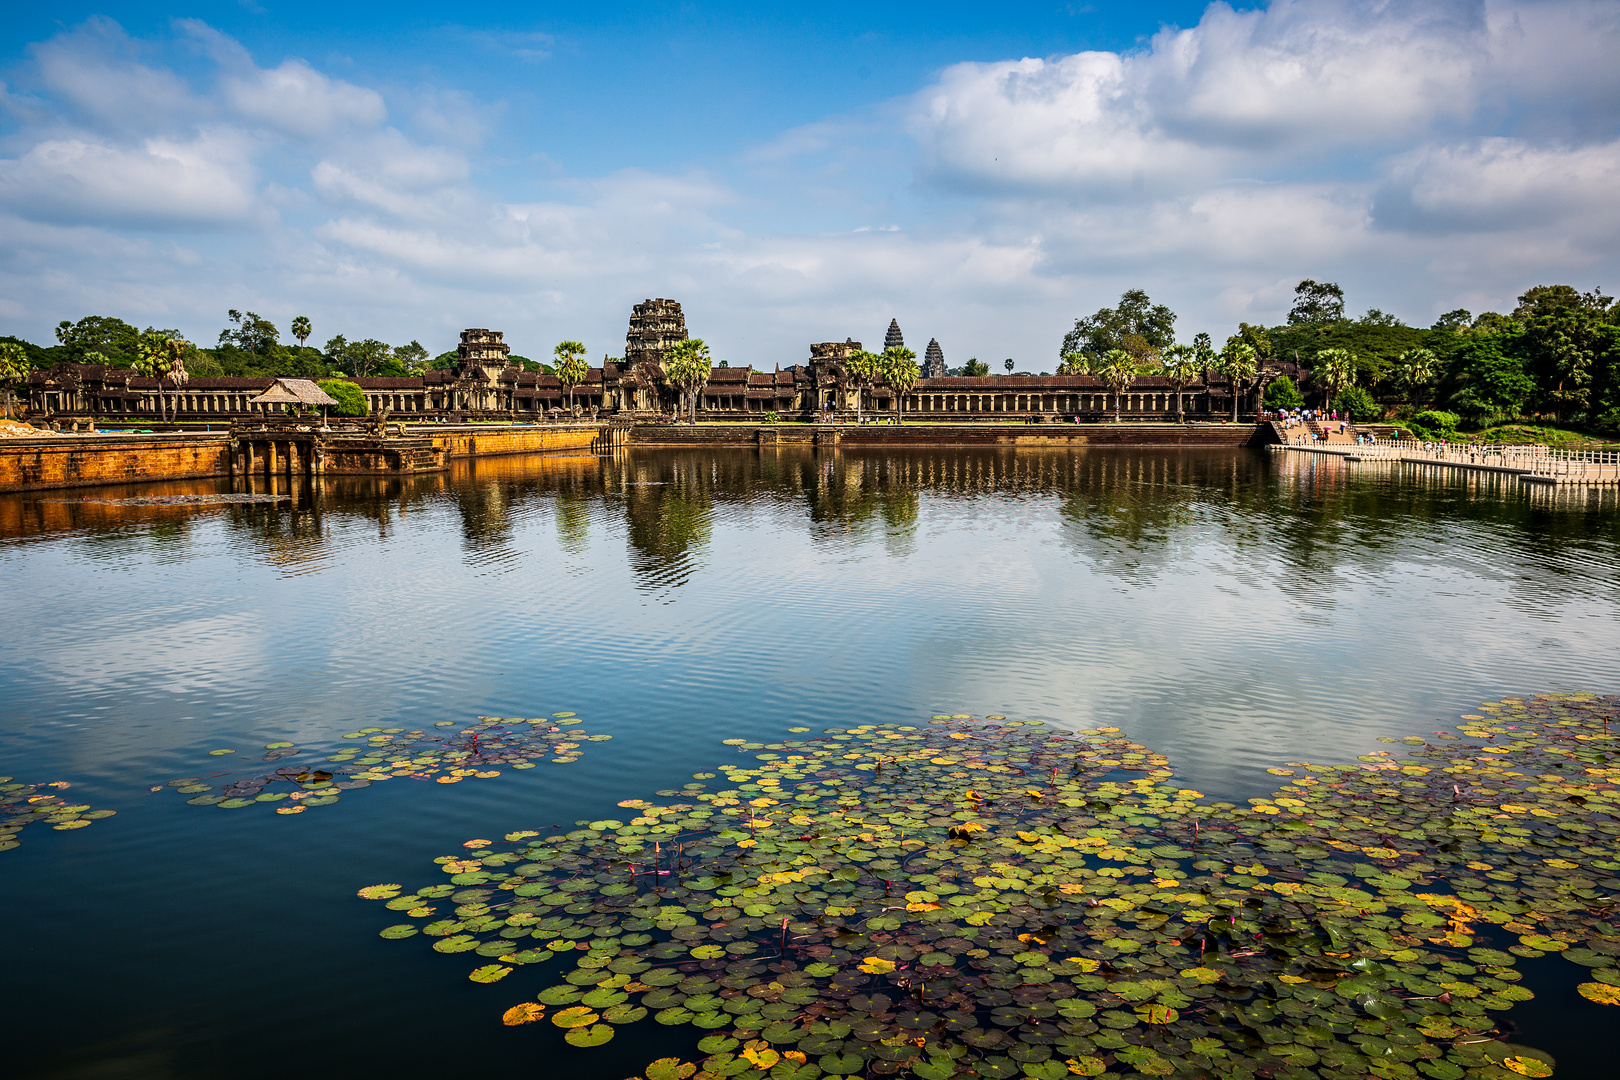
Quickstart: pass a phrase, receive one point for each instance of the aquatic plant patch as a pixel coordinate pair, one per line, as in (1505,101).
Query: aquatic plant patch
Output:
(477,751)
(22,805)
(968,898)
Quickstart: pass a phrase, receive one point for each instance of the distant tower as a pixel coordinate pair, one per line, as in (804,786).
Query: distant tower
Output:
(894,339)
(655,325)
(483,347)
(933,361)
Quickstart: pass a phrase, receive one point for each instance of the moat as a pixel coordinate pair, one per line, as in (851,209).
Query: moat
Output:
(1229,608)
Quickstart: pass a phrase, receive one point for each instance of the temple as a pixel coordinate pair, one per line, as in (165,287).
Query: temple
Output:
(485,384)
(894,339)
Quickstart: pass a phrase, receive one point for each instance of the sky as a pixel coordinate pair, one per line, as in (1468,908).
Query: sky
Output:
(986,174)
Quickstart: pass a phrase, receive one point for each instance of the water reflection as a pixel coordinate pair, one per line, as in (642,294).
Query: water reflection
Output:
(1298,520)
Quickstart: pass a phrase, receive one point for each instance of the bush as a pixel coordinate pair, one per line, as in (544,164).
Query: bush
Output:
(1359,405)
(1435,424)
(1283,394)
(350,400)
(771,417)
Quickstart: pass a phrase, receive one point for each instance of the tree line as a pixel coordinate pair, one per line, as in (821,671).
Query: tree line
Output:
(1554,357)
(249,345)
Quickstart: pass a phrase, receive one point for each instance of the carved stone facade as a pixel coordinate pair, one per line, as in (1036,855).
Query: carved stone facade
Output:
(484,347)
(655,325)
(894,339)
(933,365)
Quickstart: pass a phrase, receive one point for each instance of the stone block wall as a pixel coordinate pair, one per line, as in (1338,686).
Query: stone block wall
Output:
(88,460)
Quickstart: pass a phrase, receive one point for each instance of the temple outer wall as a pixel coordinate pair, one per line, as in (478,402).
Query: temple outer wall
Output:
(480,441)
(41,464)
(87,461)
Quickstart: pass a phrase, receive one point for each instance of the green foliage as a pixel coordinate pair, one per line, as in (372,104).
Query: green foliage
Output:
(251,334)
(1108,328)
(362,358)
(1457,319)
(771,417)
(1238,362)
(1257,338)
(1435,424)
(301,329)
(1566,343)
(1486,378)
(900,372)
(350,400)
(412,358)
(14,368)
(1359,405)
(1334,369)
(1316,303)
(1283,394)
(864,369)
(975,366)
(1117,368)
(571,365)
(687,365)
(113,338)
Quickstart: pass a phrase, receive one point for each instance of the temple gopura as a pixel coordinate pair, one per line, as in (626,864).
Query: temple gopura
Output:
(485,384)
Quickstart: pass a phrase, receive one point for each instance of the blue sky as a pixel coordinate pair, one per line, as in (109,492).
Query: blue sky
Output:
(985,173)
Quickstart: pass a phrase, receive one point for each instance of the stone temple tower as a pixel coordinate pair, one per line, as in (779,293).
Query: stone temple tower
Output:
(894,339)
(933,361)
(655,325)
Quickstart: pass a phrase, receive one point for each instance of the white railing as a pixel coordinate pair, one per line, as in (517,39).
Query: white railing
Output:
(1534,459)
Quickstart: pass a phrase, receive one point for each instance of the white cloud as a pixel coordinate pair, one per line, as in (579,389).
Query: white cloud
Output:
(204,182)
(1425,155)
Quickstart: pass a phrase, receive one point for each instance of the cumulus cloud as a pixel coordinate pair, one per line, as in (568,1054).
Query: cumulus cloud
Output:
(206,181)
(1424,154)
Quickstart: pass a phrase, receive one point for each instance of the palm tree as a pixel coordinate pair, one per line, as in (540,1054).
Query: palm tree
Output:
(1074,363)
(301,329)
(1118,370)
(1335,369)
(1414,368)
(687,365)
(571,367)
(152,360)
(1238,362)
(14,368)
(900,372)
(1180,369)
(864,368)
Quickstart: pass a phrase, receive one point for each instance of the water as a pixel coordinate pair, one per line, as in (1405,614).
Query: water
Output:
(1231,608)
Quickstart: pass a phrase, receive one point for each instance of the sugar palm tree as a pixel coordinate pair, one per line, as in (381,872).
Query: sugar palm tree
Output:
(1118,370)
(900,372)
(301,329)
(687,365)
(1180,369)
(571,366)
(1239,363)
(1415,367)
(152,358)
(864,368)
(1335,369)
(1074,363)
